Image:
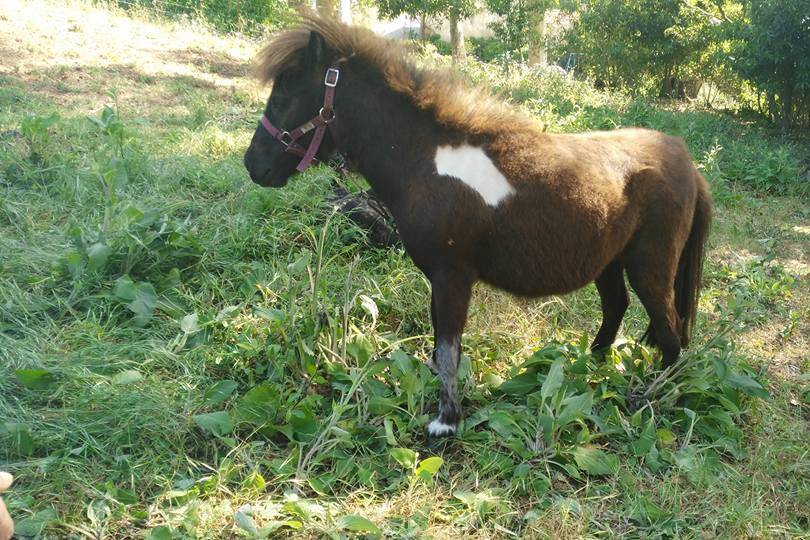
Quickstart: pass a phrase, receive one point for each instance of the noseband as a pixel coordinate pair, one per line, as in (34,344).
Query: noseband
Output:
(327,113)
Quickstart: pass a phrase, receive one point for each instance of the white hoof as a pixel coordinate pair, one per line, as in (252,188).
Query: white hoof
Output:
(440,429)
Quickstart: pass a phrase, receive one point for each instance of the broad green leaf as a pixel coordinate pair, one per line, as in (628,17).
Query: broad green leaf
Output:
(219,392)
(428,467)
(389,432)
(492,380)
(646,512)
(145,300)
(361,349)
(404,456)
(746,384)
(35,525)
(219,423)
(128,376)
(431,464)
(553,380)
(665,437)
(75,263)
(300,264)
(305,510)
(596,462)
(244,520)
(646,441)
(35,379)
(141,296)
(258,406)
(254,481)
(547,423)
(404,363)
(356,523)
(123,496)
(97,256)
(116,174)
(188,324)
(720,367)
(124,288)
(575,407)
(503,423)
(519,385)
(21,440)
(160,533)
(380,406)
(273,526)
(304,423)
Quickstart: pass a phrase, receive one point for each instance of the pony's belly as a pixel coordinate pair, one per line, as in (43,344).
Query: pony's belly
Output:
(539,276)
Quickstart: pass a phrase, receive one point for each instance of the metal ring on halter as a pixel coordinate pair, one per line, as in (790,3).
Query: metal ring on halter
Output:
(327,120)
(331,78)
(284,134)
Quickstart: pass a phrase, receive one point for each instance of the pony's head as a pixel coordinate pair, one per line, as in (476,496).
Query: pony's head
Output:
(296,62)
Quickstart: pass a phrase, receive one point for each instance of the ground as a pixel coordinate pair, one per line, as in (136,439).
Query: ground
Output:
(185,354)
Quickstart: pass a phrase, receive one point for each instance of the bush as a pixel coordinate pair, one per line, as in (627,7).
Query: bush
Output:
(486,49)
(247,16)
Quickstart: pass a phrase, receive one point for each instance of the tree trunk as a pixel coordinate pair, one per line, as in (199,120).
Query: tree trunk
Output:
(787,107)
(537,41)
(456,38)
(772,111)
(423,27)
(346,11)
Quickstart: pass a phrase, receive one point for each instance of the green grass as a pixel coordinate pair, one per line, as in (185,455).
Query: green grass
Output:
(185,353)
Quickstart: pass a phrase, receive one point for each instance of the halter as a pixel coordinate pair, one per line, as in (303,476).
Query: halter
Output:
(325,116)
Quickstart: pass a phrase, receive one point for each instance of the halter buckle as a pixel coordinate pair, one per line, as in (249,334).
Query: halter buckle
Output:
(325,119)
(335,75)
(285,138)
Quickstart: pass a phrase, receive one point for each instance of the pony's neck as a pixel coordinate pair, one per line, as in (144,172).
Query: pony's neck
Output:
(384,135)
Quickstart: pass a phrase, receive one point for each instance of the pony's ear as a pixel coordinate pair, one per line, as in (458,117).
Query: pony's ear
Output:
(316,51)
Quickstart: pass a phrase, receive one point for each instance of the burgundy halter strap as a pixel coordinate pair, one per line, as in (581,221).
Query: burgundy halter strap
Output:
(327,113)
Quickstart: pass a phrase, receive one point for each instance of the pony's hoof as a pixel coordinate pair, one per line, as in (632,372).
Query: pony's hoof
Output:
(438,429)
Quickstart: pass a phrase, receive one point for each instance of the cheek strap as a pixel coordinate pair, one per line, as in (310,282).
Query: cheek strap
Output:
(319,123)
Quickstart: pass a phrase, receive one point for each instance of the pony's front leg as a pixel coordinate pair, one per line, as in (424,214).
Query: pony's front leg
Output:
(451,297)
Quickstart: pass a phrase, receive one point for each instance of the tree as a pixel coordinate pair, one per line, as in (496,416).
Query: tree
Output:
(646,45)
(514,27)
(454,11)
(774,54)
(522,25)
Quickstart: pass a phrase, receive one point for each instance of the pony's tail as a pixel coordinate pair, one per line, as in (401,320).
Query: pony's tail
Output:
(690,267)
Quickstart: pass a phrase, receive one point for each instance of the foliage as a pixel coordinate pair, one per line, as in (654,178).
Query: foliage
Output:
(427,8)
(641,44)
(486,49)
(774,54)
(513,29)
(250,16)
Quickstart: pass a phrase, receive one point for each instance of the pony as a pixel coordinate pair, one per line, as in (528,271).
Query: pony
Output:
(480,193)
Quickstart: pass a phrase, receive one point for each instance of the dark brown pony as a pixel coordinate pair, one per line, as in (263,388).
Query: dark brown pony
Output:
(478,192)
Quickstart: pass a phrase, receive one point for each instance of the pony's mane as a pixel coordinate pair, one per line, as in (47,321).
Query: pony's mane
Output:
(452,100)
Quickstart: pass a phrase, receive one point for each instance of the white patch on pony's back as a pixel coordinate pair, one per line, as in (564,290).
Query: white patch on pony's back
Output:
(437,428)
(473,167)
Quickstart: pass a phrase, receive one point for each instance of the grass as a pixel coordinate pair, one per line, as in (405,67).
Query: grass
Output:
(184,354)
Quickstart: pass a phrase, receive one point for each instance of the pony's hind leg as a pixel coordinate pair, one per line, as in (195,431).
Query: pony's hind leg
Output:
(451,297)
(614,299)
(654,285)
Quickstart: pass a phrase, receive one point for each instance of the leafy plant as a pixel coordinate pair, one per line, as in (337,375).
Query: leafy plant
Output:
(36,130)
